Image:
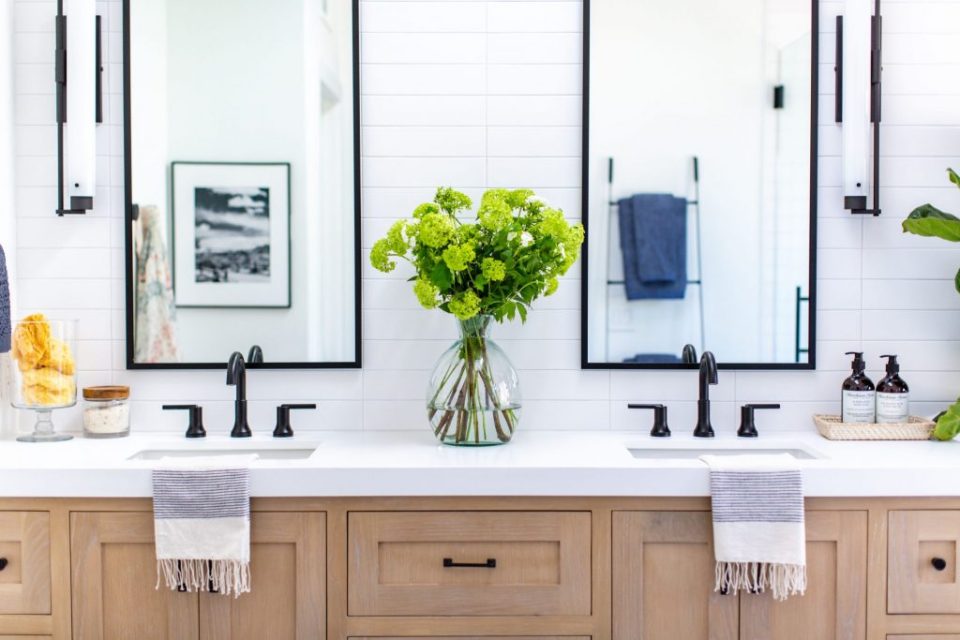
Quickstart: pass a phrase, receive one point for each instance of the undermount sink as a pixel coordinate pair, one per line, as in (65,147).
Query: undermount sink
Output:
(691,453)
(262,454)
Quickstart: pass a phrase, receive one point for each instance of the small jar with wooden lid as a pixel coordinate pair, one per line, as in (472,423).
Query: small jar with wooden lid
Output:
(106,412)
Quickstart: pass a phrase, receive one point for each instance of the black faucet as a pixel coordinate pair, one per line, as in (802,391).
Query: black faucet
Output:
(237,377)
(255,355)
(708,376)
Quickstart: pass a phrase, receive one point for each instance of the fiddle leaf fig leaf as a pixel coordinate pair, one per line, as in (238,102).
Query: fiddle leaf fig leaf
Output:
(948,424)
(954,178)
(929,221)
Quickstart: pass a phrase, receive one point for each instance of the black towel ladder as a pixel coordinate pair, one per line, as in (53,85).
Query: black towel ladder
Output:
(697,282)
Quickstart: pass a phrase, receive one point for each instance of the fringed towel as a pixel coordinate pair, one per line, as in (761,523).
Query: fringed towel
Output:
(201,510)
(758,528)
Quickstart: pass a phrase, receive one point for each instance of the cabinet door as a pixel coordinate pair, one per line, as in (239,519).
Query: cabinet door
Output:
(114,577)
(663,577)
(288,577)
(834,606)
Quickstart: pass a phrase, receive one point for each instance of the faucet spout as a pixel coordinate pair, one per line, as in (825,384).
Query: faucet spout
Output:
(237,377)
(708,376)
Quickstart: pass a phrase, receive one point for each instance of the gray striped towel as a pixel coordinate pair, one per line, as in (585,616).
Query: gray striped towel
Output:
(201,510)
(758,527)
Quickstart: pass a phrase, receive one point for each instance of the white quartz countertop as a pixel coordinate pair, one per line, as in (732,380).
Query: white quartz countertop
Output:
(541,463)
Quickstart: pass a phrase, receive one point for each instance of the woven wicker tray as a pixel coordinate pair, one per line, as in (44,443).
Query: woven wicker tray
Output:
(832,428)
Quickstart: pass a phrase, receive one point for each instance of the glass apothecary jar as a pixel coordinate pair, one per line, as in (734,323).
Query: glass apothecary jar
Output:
(106,412)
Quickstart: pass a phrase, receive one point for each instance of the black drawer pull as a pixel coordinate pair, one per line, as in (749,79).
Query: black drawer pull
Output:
(491,563)
(3,563)
(939,564)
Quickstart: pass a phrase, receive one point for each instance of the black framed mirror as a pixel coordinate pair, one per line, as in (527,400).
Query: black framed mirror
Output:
(699,183)
(242,183)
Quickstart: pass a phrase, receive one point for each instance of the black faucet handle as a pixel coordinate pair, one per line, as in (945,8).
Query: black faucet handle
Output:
(283,429)
(748,425)
(195,425)
(660,428)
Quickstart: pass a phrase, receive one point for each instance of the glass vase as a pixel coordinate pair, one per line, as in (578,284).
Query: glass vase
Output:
(45,372)
(473,398)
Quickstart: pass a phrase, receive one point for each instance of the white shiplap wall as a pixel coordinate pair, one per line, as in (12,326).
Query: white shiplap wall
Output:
(475,94)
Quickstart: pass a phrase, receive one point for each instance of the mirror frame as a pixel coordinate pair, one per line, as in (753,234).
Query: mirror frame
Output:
(128,220)
(811,363)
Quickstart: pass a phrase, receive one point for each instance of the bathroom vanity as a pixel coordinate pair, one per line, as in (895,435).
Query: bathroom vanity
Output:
(389,535)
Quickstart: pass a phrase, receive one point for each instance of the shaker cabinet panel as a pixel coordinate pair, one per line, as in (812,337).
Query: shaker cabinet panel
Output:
(922,558)
(663,577)
(114,576)
(834,605)
(24,562)
(288,572)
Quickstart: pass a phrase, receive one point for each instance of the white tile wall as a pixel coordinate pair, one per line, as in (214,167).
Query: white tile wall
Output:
(476,94)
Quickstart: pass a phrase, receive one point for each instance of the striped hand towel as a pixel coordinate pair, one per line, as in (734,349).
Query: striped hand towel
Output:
(201,510)
(758,528)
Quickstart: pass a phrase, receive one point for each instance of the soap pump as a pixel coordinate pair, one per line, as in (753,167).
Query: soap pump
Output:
(893,395)
(858,399)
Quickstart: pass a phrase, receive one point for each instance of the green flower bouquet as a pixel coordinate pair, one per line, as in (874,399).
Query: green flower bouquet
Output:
(491,269)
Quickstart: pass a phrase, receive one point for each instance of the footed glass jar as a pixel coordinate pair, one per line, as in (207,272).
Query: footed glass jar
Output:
(473,398)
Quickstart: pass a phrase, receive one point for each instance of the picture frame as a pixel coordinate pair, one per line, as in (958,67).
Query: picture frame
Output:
(231,234)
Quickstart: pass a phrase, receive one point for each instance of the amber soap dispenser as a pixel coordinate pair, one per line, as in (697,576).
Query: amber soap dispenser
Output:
(893,395)
(858,401)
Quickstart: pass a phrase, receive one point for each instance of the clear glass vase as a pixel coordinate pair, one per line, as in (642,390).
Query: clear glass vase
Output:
(473,398)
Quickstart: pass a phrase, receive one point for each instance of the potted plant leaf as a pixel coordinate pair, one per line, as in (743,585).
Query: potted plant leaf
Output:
(929,221)
(479,272)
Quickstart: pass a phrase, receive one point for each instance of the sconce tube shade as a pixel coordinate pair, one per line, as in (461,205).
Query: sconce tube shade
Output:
(81,142)
(856,65)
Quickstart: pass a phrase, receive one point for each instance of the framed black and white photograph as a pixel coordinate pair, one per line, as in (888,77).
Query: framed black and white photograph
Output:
(231,234)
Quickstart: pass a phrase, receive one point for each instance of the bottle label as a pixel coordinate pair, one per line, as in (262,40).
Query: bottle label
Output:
(859,406)
(893,407)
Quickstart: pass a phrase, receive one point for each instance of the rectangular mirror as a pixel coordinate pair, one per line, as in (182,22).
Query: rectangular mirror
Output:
(242,182)
(699,183)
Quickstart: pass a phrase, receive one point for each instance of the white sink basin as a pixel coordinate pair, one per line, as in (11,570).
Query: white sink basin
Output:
(301,453)
(691,453)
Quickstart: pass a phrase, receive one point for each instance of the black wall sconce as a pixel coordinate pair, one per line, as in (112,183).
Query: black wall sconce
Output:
(858,83)
(78,73)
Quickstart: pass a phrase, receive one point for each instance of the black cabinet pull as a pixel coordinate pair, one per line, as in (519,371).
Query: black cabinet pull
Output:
(491,563)
(939,564)
(3,563)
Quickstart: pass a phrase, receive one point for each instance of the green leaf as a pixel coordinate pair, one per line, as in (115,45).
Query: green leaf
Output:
(929,221)
(956,282)
(441,277)
(954,178)
(523,313)
(948,424)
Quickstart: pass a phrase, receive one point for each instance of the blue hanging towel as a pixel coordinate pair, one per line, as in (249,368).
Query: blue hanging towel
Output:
(653,240)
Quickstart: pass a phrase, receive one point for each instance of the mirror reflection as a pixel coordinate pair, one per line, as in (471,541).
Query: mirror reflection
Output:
(698,179)
(241,178)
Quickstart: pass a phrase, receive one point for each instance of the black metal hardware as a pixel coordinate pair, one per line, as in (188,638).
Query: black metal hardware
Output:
(195,425)
(939,564)
(689,354)
(79,205)
(797,349)
(838,75)
(255,355)
(491,563)
(283,429)
(708,376)
(134,212)
(182,588)
(3,563)
(237,377)
(210,588)
(748,426)
(724,590)
(778,97)
(660,428)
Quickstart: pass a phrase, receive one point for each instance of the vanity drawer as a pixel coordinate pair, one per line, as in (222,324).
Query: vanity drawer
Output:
(951,636)
(519,563)
(25,577)
(922,559)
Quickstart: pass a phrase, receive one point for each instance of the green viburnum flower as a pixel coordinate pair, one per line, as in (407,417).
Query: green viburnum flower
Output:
(493,269)
(436,230)
(395,240)
(380,256)
(465,305)
(425,208)
(552,285)
(520,198)
(426,293)
(554,224)
(451,200)
(458,257)
(494,213)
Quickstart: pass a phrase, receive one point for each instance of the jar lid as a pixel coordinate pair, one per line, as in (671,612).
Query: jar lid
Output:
(106,393)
